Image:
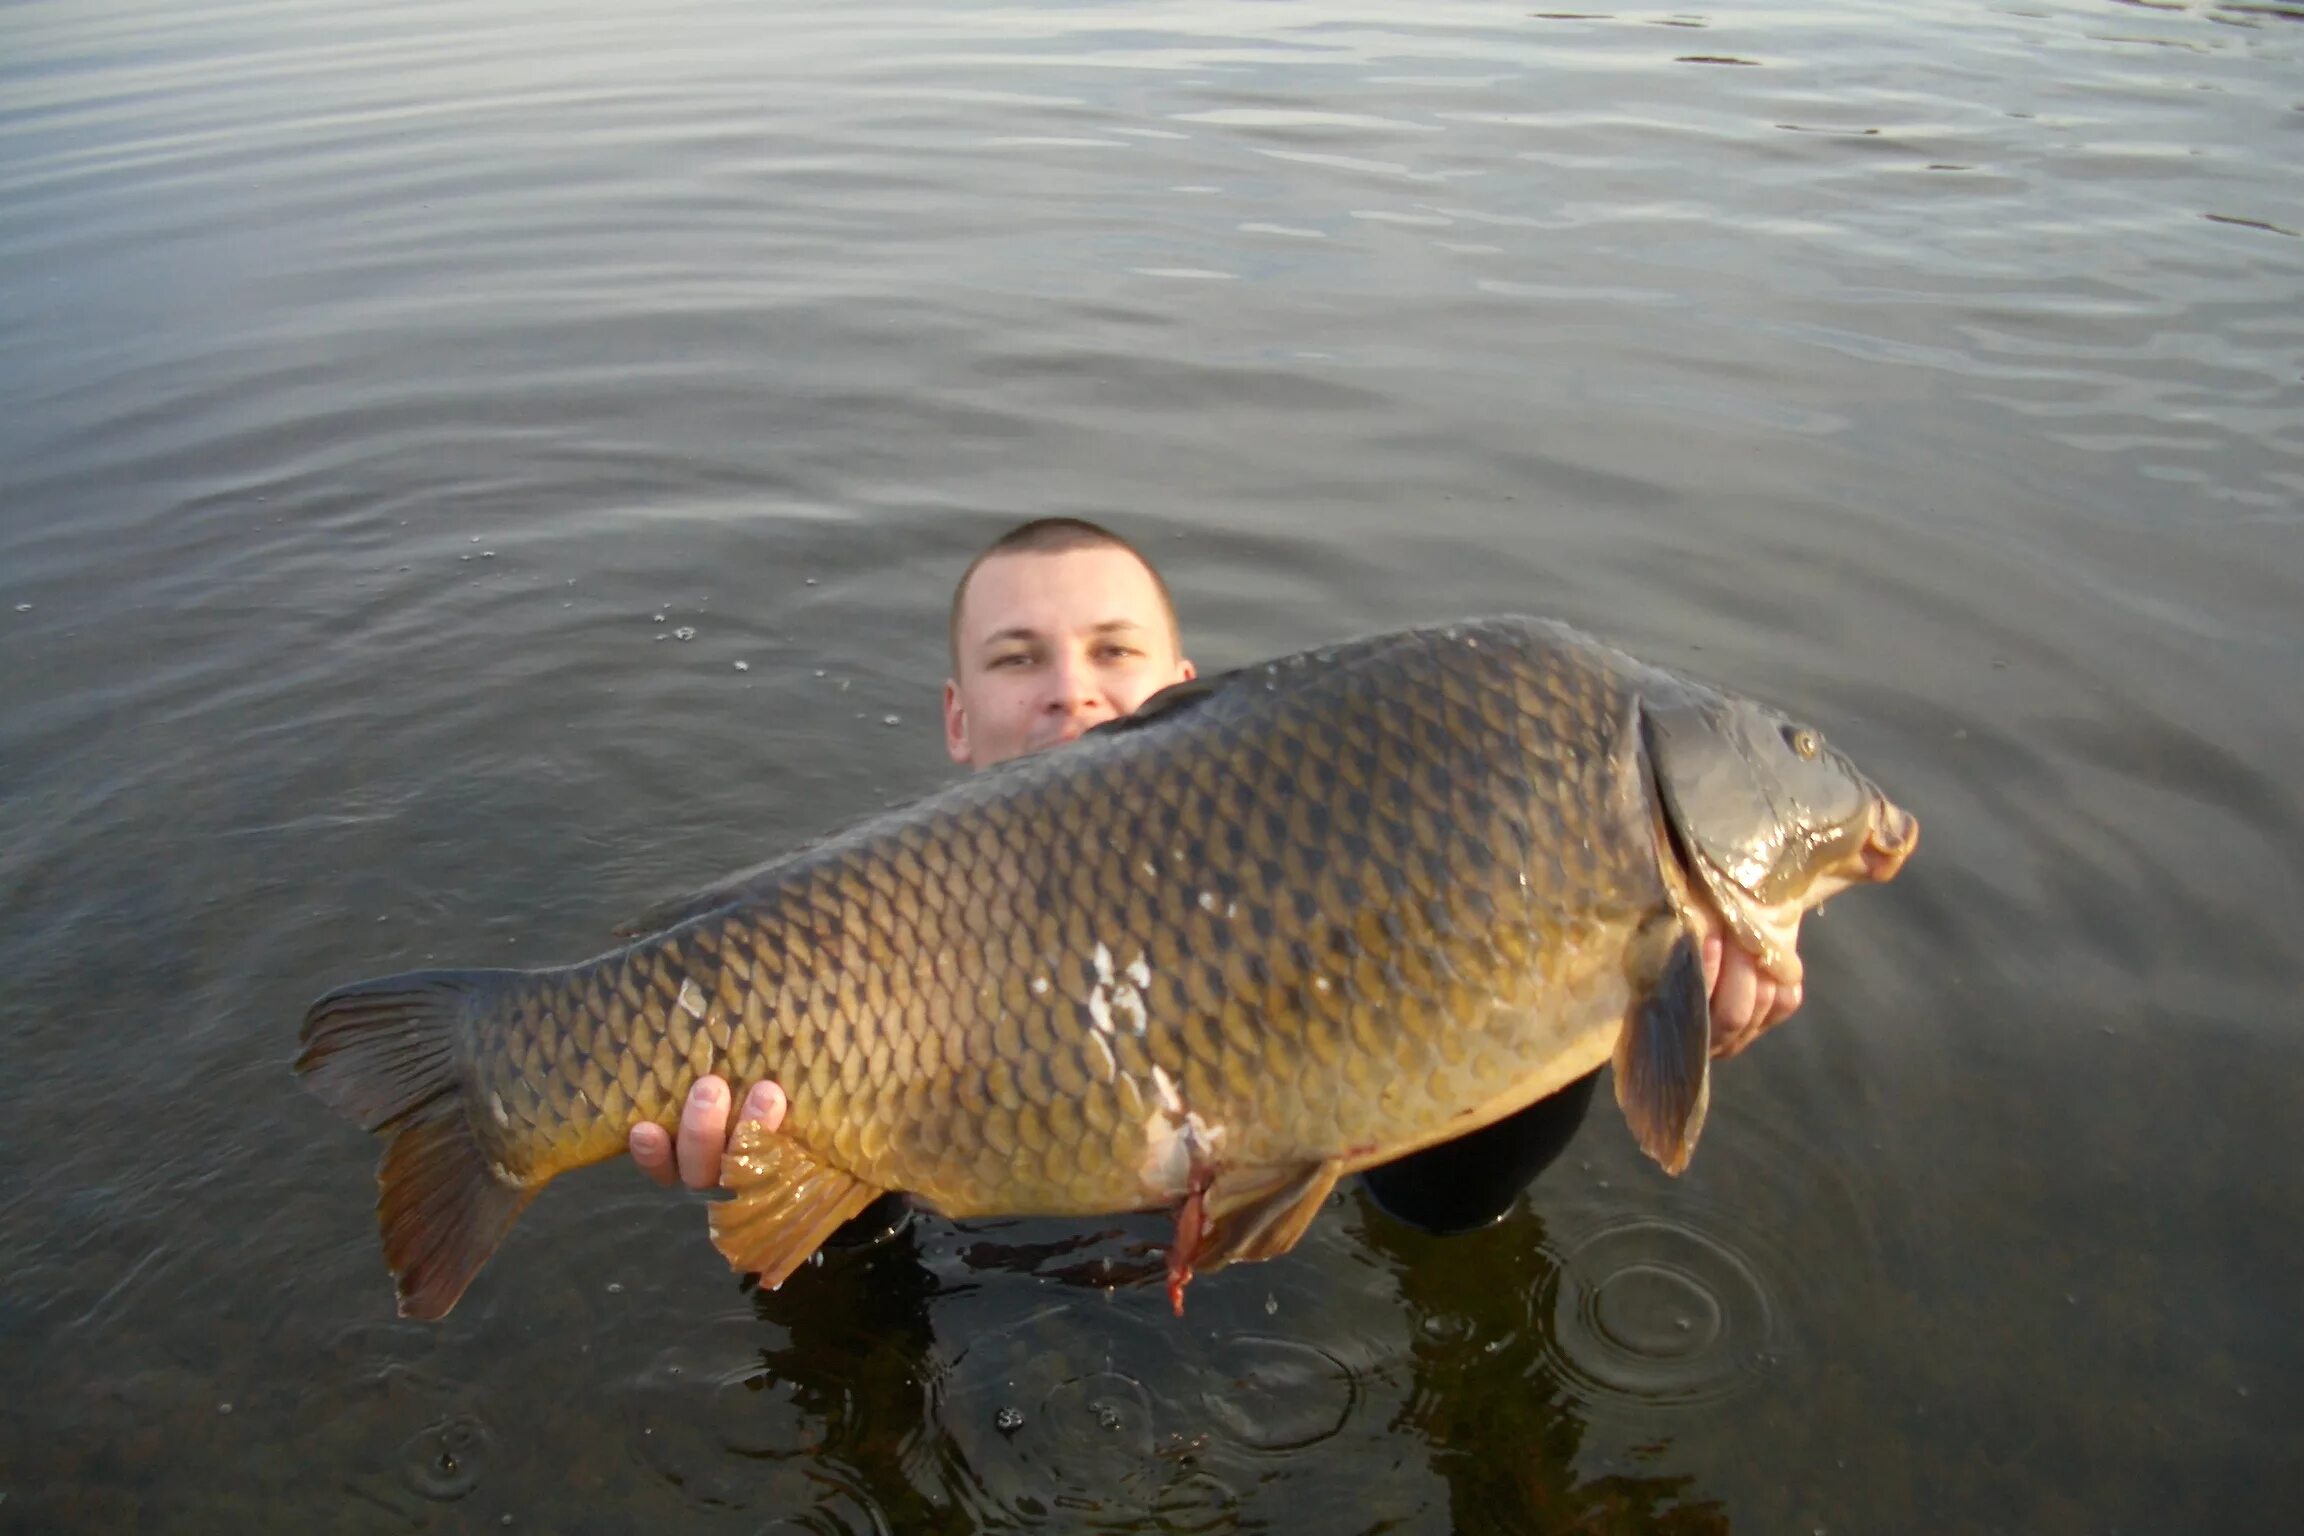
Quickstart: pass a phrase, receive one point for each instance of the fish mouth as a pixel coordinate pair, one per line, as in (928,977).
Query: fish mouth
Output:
(1770,932)
(1894,833)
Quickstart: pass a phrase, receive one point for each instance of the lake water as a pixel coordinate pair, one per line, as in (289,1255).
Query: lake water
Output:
(385,390)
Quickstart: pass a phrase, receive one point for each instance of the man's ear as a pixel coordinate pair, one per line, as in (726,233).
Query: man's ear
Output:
(1185,671)
(955,725)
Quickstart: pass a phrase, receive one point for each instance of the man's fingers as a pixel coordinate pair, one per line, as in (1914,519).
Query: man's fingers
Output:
(765,1103)
(1734,995)
(703,1132)
(1710,953)
(652,1150)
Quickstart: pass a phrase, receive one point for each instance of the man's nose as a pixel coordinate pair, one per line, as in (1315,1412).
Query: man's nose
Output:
(1074,688)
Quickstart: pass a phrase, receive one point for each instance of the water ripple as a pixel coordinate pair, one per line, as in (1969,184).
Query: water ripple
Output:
(1657,1314)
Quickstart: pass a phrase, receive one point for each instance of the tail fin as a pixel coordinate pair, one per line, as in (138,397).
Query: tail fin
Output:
(384,1053)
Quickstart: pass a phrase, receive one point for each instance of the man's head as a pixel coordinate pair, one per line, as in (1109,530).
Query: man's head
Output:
(1059,625)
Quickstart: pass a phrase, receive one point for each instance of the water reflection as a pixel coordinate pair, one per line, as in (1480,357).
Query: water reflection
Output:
(1018,1376)
(1502,1429)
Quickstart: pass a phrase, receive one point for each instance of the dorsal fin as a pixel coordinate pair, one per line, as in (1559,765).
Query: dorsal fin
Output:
(679,909)
(1169,700)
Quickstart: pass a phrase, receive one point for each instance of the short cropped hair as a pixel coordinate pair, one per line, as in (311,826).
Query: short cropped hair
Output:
(1053,536)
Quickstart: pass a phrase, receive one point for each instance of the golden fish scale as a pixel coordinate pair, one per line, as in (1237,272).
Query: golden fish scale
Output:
(1344,899)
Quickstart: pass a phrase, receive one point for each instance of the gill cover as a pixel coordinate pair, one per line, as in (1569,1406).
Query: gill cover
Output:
(1760,806)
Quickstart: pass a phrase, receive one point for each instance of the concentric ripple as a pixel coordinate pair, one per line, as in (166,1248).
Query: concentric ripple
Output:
(446,1459)
(1281,1395)
(1655,1313)
(713,1421)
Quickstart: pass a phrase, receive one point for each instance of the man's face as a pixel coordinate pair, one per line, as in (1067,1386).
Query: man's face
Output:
(1051,644)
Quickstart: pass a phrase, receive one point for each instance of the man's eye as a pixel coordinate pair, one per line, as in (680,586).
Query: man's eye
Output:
(1012,659)
(1119,652)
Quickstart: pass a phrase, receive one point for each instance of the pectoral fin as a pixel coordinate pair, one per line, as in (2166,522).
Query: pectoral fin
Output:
(786,1203)
(1663,1056)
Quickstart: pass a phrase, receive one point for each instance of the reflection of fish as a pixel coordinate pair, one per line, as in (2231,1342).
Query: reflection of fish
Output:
(1276,926)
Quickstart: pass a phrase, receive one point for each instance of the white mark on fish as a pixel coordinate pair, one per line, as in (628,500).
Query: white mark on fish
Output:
(1111,1063)
(1150,873)
(503,1175)
(1231,909)
(1174,1143)
(1321,985)
(1039,986)
(1128,1003)
(1112,997)
(1170,1100)
(496,1107)
(1207,901)
(691,997)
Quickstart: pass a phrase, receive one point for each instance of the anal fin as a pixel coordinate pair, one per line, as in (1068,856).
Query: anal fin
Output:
(1219,1226)
(1664,1053)
(785,1203)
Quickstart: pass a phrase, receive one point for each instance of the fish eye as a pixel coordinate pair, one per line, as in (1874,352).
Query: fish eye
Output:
(1803,741)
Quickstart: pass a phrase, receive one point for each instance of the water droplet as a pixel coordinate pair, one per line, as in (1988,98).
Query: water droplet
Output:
(445,1461)
(819,671)
(27,608)
(891,719)
(463,557)
(1008,1420)
(811,581)
(655,618)
(743,666)
(487,554)
(684,632)
(1271,1305)
(615,1287)
(475,538)
(223,1407)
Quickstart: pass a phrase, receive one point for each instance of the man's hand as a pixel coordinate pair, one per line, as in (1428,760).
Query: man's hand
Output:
(693,1158)
(1746,1001)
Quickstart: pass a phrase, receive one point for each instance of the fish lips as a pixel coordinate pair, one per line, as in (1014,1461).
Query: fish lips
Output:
(1895,832)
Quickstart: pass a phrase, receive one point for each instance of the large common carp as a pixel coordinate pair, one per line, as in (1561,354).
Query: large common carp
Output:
(1276,926)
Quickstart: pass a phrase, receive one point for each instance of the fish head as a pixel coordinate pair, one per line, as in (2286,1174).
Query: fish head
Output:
(1769,817)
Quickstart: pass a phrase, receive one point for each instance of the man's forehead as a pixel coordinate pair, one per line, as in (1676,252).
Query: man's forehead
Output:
(1097,588)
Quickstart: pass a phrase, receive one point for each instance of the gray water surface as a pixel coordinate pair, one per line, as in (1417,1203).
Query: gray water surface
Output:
(383,389)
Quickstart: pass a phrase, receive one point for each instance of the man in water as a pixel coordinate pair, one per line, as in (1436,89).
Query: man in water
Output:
(1059,626)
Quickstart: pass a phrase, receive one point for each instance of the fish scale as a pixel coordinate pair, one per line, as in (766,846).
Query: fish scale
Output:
(1277,926)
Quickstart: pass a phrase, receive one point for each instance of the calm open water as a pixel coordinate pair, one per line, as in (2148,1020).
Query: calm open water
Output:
(383,389)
